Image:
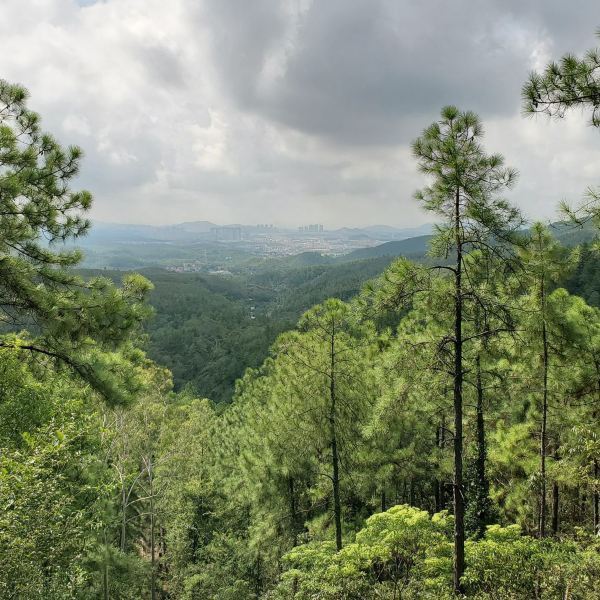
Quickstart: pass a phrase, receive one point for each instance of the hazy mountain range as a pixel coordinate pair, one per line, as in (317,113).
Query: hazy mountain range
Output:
(191,231)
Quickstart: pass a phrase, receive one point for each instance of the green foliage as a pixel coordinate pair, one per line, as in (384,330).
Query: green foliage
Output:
(49,482)
(74,322)
(405,553)
(562,86)
(391,552)
(570,83)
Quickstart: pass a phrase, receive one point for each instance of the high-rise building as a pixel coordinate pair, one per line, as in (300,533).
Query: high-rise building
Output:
(314,228)
(227,234)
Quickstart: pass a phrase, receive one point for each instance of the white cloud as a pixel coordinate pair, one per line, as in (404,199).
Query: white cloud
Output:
(291,110)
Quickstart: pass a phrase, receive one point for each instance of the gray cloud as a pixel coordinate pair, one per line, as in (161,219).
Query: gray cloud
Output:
(360,71)
(291,110)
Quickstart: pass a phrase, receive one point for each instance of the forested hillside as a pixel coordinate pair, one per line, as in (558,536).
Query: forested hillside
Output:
(375,429)
(207,329)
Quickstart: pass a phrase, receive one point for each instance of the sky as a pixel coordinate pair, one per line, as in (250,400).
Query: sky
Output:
(293,111)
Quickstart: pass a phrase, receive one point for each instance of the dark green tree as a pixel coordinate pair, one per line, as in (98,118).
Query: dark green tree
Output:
(325,365)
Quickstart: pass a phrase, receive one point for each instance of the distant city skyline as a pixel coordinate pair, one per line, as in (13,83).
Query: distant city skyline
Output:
(266,227)
(294,112)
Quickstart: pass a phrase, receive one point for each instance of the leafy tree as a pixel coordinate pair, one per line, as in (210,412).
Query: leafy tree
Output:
(51,479)
(570,83)
(77,323)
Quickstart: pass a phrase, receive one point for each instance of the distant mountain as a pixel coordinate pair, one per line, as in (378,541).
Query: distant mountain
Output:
(350,233)
(109,233)
(395,233)
(101,233)
(417,246)
(571,235)
(383,232)
(192,227)
(411,247)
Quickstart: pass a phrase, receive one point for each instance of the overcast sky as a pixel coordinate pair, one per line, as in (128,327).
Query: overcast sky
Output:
(292,111)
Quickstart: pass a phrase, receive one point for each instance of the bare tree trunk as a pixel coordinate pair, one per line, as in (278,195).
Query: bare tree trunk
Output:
(383,501)
(258,576)
(152,552)
(482,483)
(337,506)
(436,484)
(544,432)
(123,517)
(293,511)
(459,508)
(105,570)
(596,502)
(555,507)
(442,483)
(595,469)
(105,581)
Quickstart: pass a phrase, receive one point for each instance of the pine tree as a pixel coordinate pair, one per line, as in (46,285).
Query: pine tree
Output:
(464,194)
(570,83)
(565,85)
(78,323)
(545,263)
(325,365)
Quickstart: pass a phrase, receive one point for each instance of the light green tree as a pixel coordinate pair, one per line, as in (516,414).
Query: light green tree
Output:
(465,194)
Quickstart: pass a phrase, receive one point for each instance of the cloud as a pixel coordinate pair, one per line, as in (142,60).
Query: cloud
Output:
(289,111)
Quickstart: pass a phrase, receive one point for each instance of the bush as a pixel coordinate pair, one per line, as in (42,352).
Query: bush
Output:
(406,554)
(394,550)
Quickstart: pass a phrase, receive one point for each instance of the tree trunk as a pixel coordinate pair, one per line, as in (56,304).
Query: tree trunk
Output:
(442,483)
(152,553)
(123,517)
(544,433)
(596,502)
(459,509)
(383,501)
(337,507)
(555,506)
(105,581)
(482,483)
(258,577)
(293,511)
(595,467)
(436,483)
(105,570)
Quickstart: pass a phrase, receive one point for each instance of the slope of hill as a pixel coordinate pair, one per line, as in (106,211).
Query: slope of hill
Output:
(411,247)
(208,329)
(572,235)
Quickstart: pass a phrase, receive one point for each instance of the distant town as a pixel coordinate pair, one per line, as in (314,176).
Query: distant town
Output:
(207,247)
(268,240)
